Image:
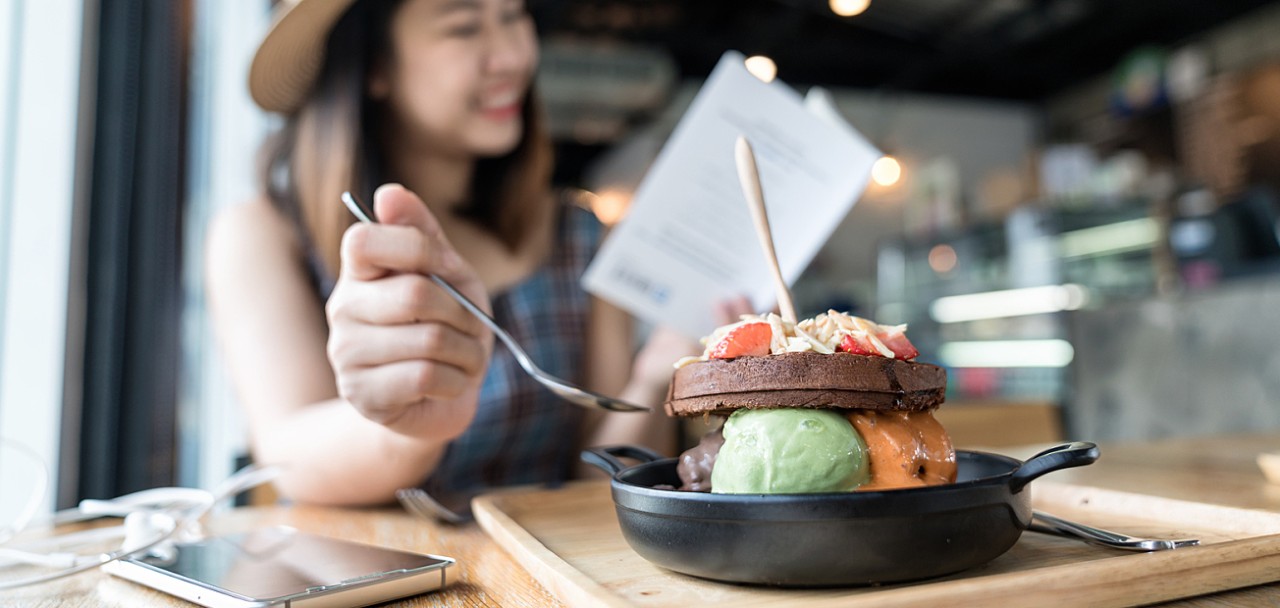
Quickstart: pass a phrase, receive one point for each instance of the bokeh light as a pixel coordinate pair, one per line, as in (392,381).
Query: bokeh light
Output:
(887,171)
(849,8)
(762,67)
(608,206)
(942,258)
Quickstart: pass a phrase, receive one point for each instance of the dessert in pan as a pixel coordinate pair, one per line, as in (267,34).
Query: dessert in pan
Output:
(829,468)
(834,403)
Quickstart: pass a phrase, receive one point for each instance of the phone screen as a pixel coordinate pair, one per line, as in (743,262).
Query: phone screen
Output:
(277,562)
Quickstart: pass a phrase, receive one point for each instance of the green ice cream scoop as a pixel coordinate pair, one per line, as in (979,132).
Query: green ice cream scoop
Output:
(789,451)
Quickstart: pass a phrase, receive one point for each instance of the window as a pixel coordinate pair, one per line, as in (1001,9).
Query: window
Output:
(226,128)
(40,56)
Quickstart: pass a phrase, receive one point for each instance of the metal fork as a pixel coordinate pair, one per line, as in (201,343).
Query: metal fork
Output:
(569,392)
(417,502)
(1049,524)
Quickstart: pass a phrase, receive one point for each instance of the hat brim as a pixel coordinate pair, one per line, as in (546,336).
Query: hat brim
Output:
(286,64)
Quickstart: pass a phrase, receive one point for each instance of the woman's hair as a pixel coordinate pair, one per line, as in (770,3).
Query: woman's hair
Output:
(331,144)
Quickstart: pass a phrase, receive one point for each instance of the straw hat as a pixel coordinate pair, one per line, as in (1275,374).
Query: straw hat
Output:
(288,60)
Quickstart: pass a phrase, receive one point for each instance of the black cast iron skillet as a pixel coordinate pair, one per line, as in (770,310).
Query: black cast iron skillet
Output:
(854,538)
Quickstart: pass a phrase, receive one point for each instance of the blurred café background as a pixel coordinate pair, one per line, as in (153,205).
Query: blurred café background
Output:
(1076,212)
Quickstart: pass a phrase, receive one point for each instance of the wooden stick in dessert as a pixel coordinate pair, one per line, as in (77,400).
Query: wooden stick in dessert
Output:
(749,176)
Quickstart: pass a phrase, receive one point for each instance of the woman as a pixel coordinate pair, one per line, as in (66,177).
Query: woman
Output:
(435,95)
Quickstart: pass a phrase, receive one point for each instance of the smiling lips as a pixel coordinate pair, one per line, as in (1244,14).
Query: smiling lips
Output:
(501,107)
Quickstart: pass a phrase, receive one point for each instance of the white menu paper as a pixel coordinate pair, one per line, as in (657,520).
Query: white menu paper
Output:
(687,240)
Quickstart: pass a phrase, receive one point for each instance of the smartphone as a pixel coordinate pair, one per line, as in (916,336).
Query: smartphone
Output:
(280,566)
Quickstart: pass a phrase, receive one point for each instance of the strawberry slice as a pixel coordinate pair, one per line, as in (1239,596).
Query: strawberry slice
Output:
(859,344)
(896,340)
(747,340)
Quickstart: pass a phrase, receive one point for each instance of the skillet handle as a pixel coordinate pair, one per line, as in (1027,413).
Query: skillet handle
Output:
(606,458)
(1065,456)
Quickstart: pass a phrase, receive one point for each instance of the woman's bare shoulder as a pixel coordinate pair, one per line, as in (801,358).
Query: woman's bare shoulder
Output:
(250,228)
(254,222)
(250,237)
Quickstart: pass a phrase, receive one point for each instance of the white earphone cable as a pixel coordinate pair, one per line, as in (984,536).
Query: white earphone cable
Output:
(157,515)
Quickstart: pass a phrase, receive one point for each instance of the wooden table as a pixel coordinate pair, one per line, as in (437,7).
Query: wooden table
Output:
(1219,470)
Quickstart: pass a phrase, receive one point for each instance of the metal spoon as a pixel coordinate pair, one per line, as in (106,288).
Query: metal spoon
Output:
(569,392)
(1049,524)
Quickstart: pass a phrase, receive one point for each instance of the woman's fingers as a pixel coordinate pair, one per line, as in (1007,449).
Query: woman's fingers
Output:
(383,393)
(654,364)
(730,310)
(408,241)
(396,206)
(407,238)
(371,251)
(398,300)
(362,346)
(401,347)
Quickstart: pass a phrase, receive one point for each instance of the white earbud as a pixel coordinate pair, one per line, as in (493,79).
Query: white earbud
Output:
(138,530)
(144,528)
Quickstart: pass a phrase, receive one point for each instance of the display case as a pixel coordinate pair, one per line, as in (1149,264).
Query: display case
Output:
(988,302)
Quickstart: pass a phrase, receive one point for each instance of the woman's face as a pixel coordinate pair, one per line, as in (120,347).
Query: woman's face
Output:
(458,74)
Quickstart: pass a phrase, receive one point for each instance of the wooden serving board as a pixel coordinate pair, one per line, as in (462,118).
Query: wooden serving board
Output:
(569,540)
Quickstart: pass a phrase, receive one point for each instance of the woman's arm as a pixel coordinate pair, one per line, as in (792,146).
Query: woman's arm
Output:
(643,379)
(273,334)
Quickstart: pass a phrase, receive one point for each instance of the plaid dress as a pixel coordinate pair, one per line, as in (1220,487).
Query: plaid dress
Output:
(522,433)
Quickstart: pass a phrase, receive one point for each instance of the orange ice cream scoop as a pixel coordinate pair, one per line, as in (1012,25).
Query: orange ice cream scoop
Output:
(905,449)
